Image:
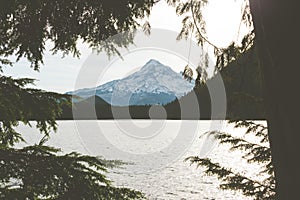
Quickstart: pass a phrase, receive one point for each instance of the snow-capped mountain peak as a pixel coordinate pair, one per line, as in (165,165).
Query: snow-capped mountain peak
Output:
(154,83)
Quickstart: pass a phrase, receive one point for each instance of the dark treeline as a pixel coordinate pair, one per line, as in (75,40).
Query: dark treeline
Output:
(242,82)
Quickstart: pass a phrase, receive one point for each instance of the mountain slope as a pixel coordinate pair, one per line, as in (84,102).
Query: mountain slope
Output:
(153,84)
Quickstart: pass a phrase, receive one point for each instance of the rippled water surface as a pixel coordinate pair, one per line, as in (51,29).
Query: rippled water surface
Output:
(156,151)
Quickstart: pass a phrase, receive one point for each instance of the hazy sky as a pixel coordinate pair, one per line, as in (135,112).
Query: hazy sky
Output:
(60,74)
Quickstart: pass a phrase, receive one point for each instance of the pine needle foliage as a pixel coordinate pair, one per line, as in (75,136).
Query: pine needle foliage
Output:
(254,153)
(41,171)
(26,26)
(194,25)
(22,104)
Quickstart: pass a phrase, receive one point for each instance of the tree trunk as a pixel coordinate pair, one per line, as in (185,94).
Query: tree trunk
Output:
(277,40)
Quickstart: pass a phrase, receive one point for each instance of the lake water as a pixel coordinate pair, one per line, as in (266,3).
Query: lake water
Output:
(156,150)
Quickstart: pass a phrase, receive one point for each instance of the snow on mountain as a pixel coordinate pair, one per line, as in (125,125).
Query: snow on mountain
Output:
(154,83)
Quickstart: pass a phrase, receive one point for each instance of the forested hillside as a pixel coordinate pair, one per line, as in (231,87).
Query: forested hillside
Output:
(242,80)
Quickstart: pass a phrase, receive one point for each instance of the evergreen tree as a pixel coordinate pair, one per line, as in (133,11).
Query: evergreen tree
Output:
(194,24)
(25,26)
(276,40)
(41,171)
